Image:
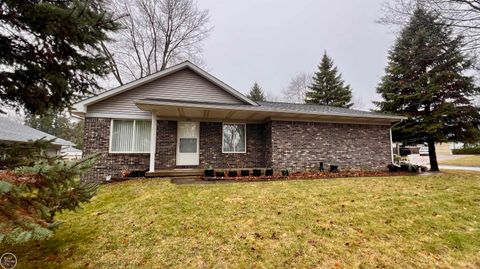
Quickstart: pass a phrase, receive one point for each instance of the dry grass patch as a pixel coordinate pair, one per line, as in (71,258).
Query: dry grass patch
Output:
(473,160)
(402,222)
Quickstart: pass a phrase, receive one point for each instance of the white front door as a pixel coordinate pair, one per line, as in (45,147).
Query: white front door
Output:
(187,143)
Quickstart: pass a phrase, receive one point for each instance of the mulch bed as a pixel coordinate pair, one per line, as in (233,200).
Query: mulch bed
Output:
(312,175)
(293,176)
(120,179)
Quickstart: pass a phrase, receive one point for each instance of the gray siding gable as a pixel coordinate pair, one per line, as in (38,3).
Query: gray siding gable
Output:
(183,85)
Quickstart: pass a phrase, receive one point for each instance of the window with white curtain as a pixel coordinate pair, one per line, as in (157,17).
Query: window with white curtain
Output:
(234,138)
(130,136)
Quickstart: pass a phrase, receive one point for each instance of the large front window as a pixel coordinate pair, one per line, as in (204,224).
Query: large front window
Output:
(130,136)
(234,138)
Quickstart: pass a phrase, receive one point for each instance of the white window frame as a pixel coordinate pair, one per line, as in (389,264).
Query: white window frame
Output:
(223,142)
(133,138)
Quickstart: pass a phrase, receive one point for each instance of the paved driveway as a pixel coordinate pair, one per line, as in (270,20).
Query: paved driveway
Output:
(424,160)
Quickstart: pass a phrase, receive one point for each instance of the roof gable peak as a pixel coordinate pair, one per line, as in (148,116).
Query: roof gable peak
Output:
(80,107)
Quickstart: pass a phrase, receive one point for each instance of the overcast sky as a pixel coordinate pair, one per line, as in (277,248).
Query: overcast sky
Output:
(270,41)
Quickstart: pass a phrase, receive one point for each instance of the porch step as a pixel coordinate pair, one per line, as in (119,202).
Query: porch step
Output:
(176,173)
(185,179)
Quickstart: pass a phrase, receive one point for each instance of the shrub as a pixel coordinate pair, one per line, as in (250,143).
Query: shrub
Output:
(408,167)
(33,193)
(472,150)
(399,159)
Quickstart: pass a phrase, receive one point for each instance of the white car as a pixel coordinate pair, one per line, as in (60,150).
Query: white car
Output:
(423,151)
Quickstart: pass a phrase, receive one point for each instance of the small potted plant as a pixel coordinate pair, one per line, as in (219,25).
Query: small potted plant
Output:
(334,168)
(408,167)
(220,173)
(257,172)
(285,172)
(393,168)
(232,173)
(138,173)
(245,172)
(209,172)
(269,172)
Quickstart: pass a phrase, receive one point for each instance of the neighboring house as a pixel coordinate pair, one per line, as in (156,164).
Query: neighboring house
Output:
(183,117)
(447,148)
(14,132)
(440,148)
(70,153)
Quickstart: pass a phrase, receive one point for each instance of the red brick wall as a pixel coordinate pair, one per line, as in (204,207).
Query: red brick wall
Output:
(97,135)
(302,145)
(96,140)
(277,144)
(211,147)
(166,148)
(268,144)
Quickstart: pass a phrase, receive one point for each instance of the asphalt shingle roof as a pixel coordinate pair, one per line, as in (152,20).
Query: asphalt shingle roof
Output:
(288,108)
(14,131)
(318,108)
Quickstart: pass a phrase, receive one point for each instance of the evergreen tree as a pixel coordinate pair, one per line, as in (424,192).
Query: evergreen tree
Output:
(426,81)
(35,188)
(59,125)
(328,87)
(256,93)
(50,51)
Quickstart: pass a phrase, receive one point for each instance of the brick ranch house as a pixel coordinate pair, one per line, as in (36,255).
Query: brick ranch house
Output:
(183,117)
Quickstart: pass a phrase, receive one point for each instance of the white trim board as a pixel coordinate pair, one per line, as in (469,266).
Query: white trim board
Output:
(153,143)
(118,116)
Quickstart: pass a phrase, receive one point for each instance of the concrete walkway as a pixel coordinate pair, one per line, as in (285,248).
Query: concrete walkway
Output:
(424,160)
(457,167)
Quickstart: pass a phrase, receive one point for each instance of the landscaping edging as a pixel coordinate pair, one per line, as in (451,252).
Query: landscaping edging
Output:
(306,175)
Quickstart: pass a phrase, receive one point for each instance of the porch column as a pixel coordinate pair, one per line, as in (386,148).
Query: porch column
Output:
(153,141)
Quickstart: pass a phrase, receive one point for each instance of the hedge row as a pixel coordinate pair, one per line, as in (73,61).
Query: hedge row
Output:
(475,150)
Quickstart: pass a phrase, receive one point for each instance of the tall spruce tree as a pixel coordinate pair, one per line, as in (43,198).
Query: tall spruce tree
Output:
(426,81)
(328,87)
(256,93)
(50,52)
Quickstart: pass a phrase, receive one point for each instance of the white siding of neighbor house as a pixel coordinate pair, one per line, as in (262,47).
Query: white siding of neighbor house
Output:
(182,85)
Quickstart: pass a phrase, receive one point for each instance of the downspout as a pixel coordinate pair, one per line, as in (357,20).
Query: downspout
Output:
(391,139)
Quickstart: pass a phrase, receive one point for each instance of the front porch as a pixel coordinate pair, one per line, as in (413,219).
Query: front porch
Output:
(196,145)
(177,172)
(198,135)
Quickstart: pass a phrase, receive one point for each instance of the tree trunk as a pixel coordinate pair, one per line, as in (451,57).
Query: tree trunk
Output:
(432,154)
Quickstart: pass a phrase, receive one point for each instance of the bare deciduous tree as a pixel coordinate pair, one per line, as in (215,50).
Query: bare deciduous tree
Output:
(155,34)
(298,87)
(462,15)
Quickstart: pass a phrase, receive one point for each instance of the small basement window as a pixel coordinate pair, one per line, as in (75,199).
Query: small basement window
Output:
(130,136)
(234,138)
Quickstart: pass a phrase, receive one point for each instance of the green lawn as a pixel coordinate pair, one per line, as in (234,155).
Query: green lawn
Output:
(473,160)
(401,222)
